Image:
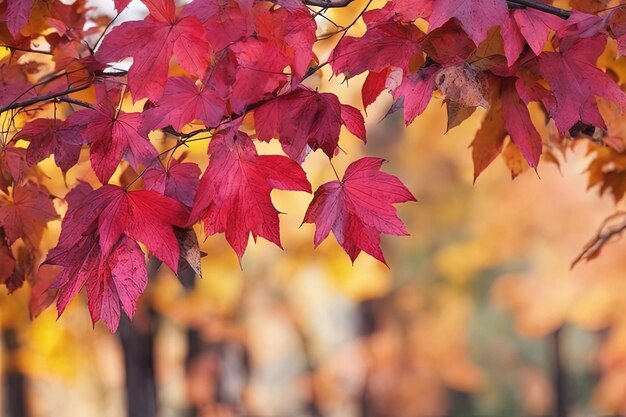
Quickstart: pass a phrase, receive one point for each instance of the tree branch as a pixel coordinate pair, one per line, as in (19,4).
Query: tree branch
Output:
(39,99)
(562,13)
(328,4)
(34,51)
(612,227)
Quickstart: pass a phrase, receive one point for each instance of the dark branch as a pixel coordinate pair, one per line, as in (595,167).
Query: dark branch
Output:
(611,228)
(39,99)
(34,51)
(562,13)
(328,4)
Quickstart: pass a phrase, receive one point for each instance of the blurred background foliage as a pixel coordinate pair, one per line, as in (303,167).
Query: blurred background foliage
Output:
(479,313)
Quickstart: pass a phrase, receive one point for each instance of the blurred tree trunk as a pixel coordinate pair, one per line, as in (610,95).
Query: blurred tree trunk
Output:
(14,381)
(560,388)
(137,338)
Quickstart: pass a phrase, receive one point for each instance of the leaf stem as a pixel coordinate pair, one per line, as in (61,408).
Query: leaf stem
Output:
(334,170)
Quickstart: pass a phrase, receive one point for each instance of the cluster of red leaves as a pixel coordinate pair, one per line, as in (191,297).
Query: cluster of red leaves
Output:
(235,58)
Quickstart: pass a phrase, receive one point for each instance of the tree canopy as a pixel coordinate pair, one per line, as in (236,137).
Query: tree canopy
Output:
(235,73)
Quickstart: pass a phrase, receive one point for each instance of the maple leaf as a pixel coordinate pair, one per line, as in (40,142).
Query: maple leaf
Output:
(119,277)
(13,167)
(113,134)
(383,45)
(234,192)
(225,21)
(50,137)
(617,26)
(518,123)
(292,33)
(259,72)
(17,14)
(527,26)
(41,293)
(183,102)
(179,181)
(359,208)
(319,115)
(145,216)
(98,247)
(7,261)
(415,92)
(464,84)
(27,213)
(373,85)
(152,43)
(575,81)
(475,17)
(120,4)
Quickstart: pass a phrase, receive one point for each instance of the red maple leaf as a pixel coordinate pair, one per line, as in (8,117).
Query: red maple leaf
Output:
(120,4)
(476,17)
(383,45)
(152,43)
(143,215)
(13,167)
(179,181)
(519,124)
(319,116)
(575,81)
(51,137)
(416,91)
(259,71)
(292,33)
(17,14)
(113,134)
(119,277)
(527,26)
(225,21)
(98,246)
(183,101)
(26,214)
(359,208)
(234,192)
(7,260)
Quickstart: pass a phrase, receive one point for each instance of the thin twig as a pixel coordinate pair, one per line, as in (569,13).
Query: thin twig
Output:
(605,234)
(34,51)
(562,13)
(35,100)
(328,4)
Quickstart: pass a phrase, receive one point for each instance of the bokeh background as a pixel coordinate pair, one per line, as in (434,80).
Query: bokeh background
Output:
(478,314)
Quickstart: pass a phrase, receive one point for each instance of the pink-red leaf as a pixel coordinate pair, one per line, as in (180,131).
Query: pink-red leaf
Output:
(51,137)
(17,14)
(143,215)
(234,192)
(26,214)
(152,42)
(183,102)
(476,17)
(180,181)
(527,26)
(416,91)
(359,208)
(518,123)
(113,135)
(576,81)
(319,118)
(382,46)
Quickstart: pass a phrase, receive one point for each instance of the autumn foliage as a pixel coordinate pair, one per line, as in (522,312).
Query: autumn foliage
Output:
(234,73)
